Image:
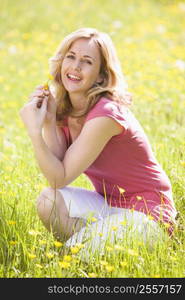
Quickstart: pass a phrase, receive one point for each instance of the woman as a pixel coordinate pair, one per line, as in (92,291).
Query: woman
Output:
(88,128)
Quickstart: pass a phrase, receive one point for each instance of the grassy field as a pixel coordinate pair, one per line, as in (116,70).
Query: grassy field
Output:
(149,37)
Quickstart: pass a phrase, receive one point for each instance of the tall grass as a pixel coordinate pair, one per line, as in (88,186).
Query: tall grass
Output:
(149,39)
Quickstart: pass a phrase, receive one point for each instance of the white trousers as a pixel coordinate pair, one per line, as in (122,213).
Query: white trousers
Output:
(105,223)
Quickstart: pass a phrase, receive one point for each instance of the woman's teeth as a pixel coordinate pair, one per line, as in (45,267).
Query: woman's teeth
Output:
(73,77)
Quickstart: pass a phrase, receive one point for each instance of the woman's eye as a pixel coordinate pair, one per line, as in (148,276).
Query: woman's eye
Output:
(88,61)
(70,56)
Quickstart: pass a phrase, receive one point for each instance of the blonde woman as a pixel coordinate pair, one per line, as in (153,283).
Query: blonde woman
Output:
(84,125)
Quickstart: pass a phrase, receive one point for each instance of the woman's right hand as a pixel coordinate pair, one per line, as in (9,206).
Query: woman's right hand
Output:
(40,93)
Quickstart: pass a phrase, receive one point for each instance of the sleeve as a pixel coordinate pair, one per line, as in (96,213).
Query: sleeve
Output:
(65,131)
(112,109)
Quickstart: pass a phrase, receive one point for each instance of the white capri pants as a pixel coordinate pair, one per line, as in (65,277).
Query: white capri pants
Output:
(110,223)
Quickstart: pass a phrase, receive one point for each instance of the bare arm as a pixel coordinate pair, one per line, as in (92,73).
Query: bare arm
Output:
(55,140)
(79,156)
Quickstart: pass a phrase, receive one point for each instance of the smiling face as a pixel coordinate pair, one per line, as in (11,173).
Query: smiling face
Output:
(81,66)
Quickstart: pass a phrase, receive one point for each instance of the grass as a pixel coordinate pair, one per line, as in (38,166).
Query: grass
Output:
(149,39)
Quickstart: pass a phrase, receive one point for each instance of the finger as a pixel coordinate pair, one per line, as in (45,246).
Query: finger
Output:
(33,97)
(37,93)
(40,87)
(46,92)
(44,105)
(40,101)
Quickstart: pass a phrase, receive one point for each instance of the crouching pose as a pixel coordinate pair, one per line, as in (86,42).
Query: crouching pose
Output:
(83,124)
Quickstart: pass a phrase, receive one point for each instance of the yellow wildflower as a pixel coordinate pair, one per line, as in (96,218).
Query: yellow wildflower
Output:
(124,222)
(11,222)
(64,264)
(50,77)
(100,234)
(150,217)
(139,198)
(42,242)
(49,255)
(46,86)
(156,276)
(103,262)
(80,246)
(74,250)
(167,225)
(31,255)
(67,258)
(12,243)
(109,248)
(93,219)
(182,163)
(114,228)
(121,190)
(92,275)
(109,268)
(123,263)
(57,244)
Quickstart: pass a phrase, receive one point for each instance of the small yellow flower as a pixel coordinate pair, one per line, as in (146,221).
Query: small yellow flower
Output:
(80,246)
(46,86)
(139,198)
(64,264)
(123,263)
(156,276)
(103,262)
(109,248)
(121,190)
(11,222)
(167,225)
(67,258)
(12,243)
(182,163)
(150,217)
(50,77)
(49,255)
(74,250)
(58,244)
(109,268)
(31,255)
(92,275)
(123,222)
(42,242)
(114,228)
(93,219)
(100,234)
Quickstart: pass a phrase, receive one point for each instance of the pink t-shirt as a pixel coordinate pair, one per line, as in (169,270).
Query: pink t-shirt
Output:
(126,172)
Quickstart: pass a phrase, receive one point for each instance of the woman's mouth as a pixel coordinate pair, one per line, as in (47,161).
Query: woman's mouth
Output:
(73,78)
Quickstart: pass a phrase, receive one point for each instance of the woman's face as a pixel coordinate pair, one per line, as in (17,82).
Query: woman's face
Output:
(81,66)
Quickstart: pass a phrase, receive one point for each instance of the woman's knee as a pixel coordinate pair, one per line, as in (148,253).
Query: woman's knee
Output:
(48,203)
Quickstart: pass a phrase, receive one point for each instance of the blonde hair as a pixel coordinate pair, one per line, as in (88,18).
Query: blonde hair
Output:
(112,86)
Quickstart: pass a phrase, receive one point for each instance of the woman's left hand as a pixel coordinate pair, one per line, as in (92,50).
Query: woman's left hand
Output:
(33,117)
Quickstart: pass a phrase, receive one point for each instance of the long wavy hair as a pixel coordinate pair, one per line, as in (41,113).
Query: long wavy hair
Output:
(112,86)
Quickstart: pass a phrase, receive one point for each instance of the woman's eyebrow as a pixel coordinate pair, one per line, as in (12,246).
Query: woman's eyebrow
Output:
(72,52)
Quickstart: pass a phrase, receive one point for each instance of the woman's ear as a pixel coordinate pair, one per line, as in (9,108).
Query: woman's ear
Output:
(100,79)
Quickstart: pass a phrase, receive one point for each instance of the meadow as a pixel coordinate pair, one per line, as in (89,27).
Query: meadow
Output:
(149,39)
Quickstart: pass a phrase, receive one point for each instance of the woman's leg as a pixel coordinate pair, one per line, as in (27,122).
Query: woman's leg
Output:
(125,227)
(53,213)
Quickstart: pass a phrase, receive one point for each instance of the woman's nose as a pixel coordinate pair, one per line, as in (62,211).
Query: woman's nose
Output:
(78,66)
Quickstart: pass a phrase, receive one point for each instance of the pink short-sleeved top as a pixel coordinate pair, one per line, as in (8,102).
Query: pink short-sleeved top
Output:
(126,172)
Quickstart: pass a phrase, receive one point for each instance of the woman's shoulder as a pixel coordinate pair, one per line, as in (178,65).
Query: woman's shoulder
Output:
(105,106)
